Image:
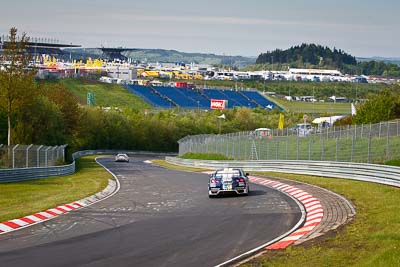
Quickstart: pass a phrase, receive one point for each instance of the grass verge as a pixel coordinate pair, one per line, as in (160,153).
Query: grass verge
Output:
(372,239)
(207,156)
(393,162)
(313,107)
(25,198)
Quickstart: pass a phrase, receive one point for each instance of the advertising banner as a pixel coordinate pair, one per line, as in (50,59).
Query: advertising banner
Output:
(218,104)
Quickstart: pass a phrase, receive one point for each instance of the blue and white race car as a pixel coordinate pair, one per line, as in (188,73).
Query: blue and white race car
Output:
(228,180)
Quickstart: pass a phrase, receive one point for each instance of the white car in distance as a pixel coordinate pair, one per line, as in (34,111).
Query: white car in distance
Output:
(121,158)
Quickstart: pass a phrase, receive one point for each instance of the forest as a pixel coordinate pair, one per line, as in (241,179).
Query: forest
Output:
(308,53)
(318,56)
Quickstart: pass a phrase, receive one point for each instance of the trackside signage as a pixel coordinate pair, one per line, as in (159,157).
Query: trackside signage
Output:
(218,104)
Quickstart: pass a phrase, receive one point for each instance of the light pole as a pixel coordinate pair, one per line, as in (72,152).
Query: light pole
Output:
(356,92)
(313,92)
(221,117)
(272,60)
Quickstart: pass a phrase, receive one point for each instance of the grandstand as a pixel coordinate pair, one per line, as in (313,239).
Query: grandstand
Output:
(150,96)
(39,46)
(113,53)
(191,98)
(258,98)
(177,95)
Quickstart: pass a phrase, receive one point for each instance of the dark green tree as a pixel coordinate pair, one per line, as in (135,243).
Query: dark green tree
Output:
(382,107)
(17,86)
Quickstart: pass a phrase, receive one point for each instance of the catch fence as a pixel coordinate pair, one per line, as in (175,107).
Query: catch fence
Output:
(367,143)
(30,156)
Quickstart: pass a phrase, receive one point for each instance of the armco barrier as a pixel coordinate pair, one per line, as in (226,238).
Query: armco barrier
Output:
(382,174)
(25,174)
(17,175)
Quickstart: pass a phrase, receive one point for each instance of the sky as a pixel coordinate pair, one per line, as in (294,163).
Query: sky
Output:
(363,28)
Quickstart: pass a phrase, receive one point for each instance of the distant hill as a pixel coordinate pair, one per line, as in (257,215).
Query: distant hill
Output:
(386,60)
(317,56)
(171,56)
(308,55)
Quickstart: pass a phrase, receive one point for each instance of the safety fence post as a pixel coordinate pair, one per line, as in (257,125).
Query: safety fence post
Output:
(387,141)
(27,155)
(337,148)
(38,156)
(46,156)
(369,145)
(353,141)
(13,156)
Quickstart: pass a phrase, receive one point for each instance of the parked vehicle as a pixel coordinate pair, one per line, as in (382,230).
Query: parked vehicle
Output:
(302,129)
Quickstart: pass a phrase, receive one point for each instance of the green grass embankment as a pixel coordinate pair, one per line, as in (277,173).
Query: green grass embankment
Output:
(371,239)
(313,107)
(25,198)
(105,95)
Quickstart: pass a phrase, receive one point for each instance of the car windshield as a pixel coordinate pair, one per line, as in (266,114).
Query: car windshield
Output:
(227,174)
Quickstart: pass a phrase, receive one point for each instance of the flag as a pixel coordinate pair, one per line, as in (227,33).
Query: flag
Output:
(281,121)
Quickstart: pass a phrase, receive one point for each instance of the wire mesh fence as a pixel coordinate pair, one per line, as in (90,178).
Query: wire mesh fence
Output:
(29,156)
(372,143)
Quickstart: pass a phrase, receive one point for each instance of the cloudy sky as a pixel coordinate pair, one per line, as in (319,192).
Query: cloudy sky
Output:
(364,28)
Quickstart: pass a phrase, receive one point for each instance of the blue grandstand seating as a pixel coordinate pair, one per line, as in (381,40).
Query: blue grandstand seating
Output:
(216,94)
(198,98)
(239,100)
(257,97)
(149,96)
(178,95)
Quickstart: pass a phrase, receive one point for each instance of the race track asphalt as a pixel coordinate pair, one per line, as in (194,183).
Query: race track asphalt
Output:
(160,217)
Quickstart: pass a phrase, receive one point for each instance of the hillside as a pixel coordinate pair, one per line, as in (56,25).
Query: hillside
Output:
(386,60)
(308,54)
(105,95)
(318,56)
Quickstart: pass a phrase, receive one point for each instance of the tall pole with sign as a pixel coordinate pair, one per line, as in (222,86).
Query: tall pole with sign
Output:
(90,99)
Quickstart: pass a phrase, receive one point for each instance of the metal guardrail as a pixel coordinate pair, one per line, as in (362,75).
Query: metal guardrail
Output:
(382,174)
(110,152)
(25,174)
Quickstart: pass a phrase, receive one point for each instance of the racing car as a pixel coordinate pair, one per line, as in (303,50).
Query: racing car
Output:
(121,158)
(228,180)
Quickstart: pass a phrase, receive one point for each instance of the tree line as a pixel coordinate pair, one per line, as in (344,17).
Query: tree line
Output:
(312,54)
(379,68)
(317,56)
